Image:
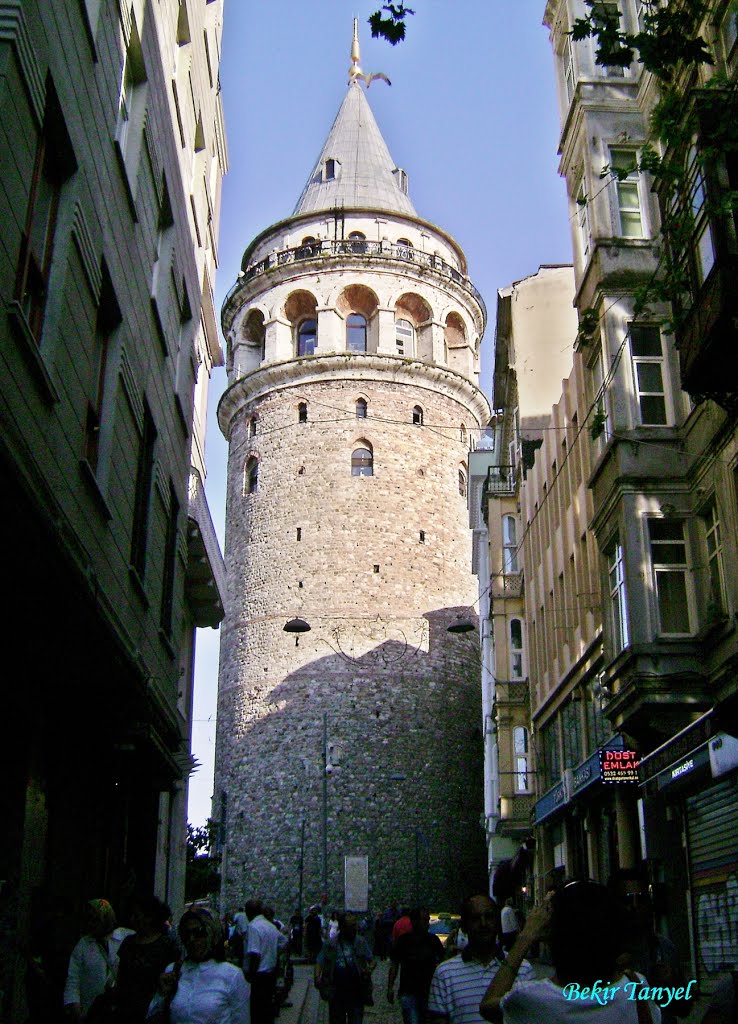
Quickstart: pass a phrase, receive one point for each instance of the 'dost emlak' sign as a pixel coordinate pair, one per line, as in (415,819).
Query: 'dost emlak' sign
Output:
(619,765)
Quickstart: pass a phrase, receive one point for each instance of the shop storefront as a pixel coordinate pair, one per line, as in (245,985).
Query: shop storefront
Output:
(690,807)
(587,824)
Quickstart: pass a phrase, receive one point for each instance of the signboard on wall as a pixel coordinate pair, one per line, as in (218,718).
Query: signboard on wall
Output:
(619,765)
(356,883)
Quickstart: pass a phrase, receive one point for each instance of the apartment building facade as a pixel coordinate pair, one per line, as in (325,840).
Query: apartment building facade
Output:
(660,414)
(113,151)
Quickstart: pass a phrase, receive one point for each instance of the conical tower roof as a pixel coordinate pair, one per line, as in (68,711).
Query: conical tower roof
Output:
(364,174)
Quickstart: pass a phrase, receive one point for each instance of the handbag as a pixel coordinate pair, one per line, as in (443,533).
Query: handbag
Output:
(164,1015)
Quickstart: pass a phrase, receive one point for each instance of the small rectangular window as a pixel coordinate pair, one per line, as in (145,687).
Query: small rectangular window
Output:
(54,162)
(729,31)
(648,373)
(716,573)
(170,563)
(570,74)
(108,319)
(618,600)
(608,13)
(132,108)
(142,494)
(583,220)
(670,569)
(627,184)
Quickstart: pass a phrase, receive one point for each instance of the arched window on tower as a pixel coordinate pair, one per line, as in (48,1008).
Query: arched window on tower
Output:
(307,337)
(517,670)
(251,476)
(404,338)
(356,332)
(462,483)
(509,545)
(462,434)
(521,752)
(362,462)
(417,416)
(361,408)
(302,412)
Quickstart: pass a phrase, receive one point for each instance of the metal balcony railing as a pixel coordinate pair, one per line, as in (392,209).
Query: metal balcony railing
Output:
(364,249)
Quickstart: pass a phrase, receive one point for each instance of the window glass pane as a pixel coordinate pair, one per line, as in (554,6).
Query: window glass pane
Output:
(669,553)
(649,377)
(665,529)
(672,594)
(645,340)
(516,633)
(306,337)
(705,252)
(356,333)
(631,225)
(362,462)
(520,740)
(653,410)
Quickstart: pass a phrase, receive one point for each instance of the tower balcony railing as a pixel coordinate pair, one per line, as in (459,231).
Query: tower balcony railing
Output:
(364,249)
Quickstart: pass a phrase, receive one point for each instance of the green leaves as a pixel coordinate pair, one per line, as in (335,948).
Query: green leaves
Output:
(391,28)
(589,321)
(664,42)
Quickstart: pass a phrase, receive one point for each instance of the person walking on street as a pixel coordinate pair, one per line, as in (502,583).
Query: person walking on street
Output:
(205,988)
(263,942)
(460,983)
(343,974)
(583,926)
(93,964)
(313,936)
(416,954)
(509,925)
(142,958)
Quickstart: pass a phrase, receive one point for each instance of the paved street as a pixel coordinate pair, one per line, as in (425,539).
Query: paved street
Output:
(307,1007)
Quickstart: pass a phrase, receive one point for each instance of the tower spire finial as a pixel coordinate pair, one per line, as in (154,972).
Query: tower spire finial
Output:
(355,69)
(355,73)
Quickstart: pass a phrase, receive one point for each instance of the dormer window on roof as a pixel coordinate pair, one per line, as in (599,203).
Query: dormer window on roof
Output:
(401,179)
(331,169)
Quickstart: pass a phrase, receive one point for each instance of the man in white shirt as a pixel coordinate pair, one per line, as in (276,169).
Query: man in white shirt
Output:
(263,942)
(459,984)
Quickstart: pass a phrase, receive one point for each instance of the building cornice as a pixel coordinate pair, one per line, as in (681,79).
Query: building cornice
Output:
(359,367)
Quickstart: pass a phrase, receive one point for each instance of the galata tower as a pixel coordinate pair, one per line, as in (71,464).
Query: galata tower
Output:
(349,750)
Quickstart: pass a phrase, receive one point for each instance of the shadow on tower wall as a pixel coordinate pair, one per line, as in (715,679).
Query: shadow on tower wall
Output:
(398,729)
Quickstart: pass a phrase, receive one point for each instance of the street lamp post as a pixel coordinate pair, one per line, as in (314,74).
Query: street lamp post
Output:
(325,807)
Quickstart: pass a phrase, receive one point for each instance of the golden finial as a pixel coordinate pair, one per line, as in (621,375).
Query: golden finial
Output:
(355,69)
(355,72)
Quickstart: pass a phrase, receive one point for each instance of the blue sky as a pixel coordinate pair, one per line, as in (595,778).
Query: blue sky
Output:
(472,117)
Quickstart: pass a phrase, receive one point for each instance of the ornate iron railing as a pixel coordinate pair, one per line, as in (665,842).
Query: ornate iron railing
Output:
(360,248)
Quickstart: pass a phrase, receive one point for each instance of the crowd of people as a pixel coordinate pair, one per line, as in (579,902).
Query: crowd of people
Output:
(607,965)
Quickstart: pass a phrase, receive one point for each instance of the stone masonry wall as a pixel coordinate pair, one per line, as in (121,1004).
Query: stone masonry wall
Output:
(378,566)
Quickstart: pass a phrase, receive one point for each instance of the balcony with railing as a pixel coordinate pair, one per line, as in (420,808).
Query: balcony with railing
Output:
(205,581)
(327,249)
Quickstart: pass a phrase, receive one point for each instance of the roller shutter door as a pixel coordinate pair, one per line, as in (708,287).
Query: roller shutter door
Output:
(712,823)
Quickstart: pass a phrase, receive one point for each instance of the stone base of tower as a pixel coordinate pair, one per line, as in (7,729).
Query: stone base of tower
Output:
(403,750)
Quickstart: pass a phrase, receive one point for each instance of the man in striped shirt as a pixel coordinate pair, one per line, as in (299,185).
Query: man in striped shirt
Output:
(459,984)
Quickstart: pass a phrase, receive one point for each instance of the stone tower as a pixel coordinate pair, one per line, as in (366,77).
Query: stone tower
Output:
(353,355)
